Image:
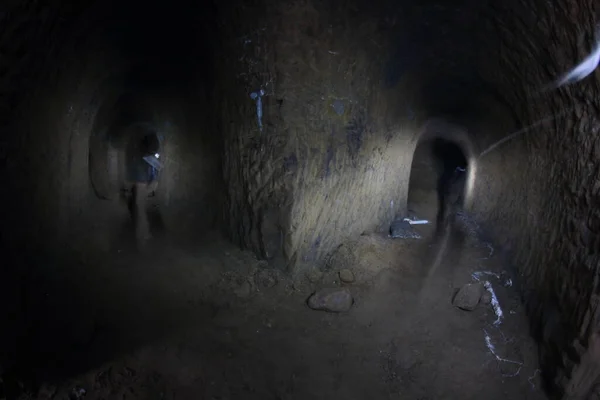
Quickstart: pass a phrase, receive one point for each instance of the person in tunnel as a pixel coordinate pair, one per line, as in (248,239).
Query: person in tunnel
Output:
(144,167)
(452,172)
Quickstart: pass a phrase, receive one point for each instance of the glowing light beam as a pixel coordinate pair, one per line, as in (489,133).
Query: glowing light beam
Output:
(584,68)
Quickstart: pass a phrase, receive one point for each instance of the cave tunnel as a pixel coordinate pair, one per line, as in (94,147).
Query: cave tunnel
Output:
(438,177)
(179,178)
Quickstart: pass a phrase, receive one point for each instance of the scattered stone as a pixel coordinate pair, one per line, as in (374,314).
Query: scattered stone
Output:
(332,300)
(266,278)
(468,296)
(486,298)
(346,276)
(314,275)
(243,290)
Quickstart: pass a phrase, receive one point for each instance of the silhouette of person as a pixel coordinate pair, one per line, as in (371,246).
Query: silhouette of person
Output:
(451,166)
(144,167)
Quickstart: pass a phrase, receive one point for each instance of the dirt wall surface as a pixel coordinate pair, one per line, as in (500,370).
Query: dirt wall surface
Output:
(543,211)
(342,116)
(77,90)
(335,148)
(349,89)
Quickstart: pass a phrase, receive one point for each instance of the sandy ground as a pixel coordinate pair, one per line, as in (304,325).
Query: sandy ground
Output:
(211,322)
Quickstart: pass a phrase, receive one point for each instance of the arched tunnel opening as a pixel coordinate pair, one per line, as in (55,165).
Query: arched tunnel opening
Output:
(202,199)
(438,179)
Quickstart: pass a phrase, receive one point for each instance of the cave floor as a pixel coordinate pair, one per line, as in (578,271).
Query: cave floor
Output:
(214,323)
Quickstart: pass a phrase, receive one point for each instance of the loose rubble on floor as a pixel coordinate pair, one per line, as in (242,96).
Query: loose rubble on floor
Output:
(364,281)
(346,276)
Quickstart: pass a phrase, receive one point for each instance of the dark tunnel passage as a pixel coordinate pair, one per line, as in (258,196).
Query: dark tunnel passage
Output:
(180,178)
(437,179)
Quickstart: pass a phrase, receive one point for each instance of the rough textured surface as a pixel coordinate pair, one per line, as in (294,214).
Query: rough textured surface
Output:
(467,298)
(346,276)
(331,172)
(173,323)
(542,207)
(349,87)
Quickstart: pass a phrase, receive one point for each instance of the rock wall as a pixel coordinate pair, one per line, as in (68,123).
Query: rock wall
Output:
(539,193)
(334,156)
(47,171)
(61,74)
(48,100)
(64,73)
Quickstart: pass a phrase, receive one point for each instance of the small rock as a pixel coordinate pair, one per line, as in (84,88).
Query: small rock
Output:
(332,300)
(243,290)
(468,296)
(486,298)
(314,275)
(346,276)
